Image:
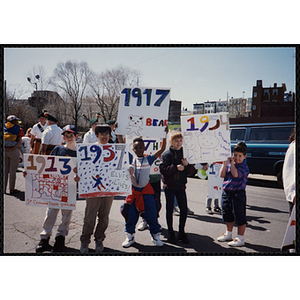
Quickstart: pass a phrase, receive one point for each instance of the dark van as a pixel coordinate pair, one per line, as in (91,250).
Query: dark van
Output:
(266,145)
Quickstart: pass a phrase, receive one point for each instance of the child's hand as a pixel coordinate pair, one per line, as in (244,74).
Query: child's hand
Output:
(24,173)
(184,162)
(166,129)
(180,167)
(76,178)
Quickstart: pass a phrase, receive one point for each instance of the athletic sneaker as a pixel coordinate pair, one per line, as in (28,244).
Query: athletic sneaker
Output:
(156,240)
(129,240)
(218,210)
(84,248)
(143,225)
(224,238)
(99,246)
(236,242)
(209,211)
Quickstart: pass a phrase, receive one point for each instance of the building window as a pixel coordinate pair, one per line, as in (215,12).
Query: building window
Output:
(275,92)
(254,107)
(255,94)
(266,92)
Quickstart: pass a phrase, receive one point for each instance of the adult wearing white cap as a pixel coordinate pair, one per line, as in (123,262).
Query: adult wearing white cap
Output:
(37,133)
(51,136)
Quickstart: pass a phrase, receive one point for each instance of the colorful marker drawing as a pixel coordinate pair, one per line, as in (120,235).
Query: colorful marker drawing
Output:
(103,170)
(206,137)
(50,181)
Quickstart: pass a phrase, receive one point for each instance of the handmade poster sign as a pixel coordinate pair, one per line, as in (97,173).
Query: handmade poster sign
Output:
(50,181)
(143,111)
(103,170)
(151,145)
(214,183)
(206,137)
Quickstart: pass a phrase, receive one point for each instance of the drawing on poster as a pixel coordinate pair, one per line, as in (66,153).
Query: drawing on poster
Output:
(206,137)
(135,125)
(103,170)
(50,181)
(143,111)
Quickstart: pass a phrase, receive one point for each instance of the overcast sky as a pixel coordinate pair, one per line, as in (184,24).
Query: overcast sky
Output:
(193,74)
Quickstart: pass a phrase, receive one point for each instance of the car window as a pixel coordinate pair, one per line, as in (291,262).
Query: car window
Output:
(270,133)
(237,134)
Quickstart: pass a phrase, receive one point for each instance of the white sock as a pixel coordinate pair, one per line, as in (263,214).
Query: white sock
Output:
(229,233)
(241,237)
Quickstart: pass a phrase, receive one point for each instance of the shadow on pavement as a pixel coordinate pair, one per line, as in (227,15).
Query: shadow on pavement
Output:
(265,209)
(263,183)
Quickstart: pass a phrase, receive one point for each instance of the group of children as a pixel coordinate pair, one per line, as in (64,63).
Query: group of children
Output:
(174,169)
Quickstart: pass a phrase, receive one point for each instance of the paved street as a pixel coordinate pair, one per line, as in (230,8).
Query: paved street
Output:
(267,213)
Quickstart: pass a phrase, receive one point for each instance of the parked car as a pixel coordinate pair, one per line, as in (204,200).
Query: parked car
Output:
(266,145)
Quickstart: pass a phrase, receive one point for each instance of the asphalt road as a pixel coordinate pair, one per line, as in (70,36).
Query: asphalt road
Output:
(267,214)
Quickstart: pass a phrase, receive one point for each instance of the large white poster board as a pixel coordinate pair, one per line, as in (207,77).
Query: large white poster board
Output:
(206,137)
(215,182)
(50,181)
(152,145)
(143,111)
(103,170)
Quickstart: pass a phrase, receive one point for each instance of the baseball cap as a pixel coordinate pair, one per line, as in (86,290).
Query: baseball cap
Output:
(12,118)
(70,128)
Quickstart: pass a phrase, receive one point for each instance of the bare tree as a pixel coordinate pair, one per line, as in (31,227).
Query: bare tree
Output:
(72,77)
(106,88)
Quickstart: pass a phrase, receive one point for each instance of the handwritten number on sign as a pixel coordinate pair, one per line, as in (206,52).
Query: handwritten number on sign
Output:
(51,169)
(164,94)
(192,120)
(85,153)
(112,153)
(32,166)
(204,120)
(66,166)
(137,93)
(98,151)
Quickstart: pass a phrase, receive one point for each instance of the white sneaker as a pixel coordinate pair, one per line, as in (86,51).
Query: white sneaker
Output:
(129,240)
(236,242)
(156,240)
(224,238)
(84,248)
(143,225)
(99,246)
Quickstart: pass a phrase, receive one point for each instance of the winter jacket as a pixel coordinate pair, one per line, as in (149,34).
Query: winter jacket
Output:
(171,177)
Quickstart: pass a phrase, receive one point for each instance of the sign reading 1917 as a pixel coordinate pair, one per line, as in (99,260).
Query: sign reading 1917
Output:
(143,111)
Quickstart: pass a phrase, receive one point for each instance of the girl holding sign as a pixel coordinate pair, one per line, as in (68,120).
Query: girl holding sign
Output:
(174,170)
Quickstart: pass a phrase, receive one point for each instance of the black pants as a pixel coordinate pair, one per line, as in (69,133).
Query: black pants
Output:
(182,203)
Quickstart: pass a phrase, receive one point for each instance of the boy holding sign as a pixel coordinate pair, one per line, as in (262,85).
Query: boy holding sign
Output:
(235,173)
(70,136)
(97,206)
(142,198)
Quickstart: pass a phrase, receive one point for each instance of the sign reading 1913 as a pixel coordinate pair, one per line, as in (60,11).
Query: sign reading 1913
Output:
(143,111)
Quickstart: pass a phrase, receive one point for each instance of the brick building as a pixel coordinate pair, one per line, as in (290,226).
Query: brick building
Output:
(272,101)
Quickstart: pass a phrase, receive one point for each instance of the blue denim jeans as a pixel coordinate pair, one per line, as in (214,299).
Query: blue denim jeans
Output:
(150,215)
